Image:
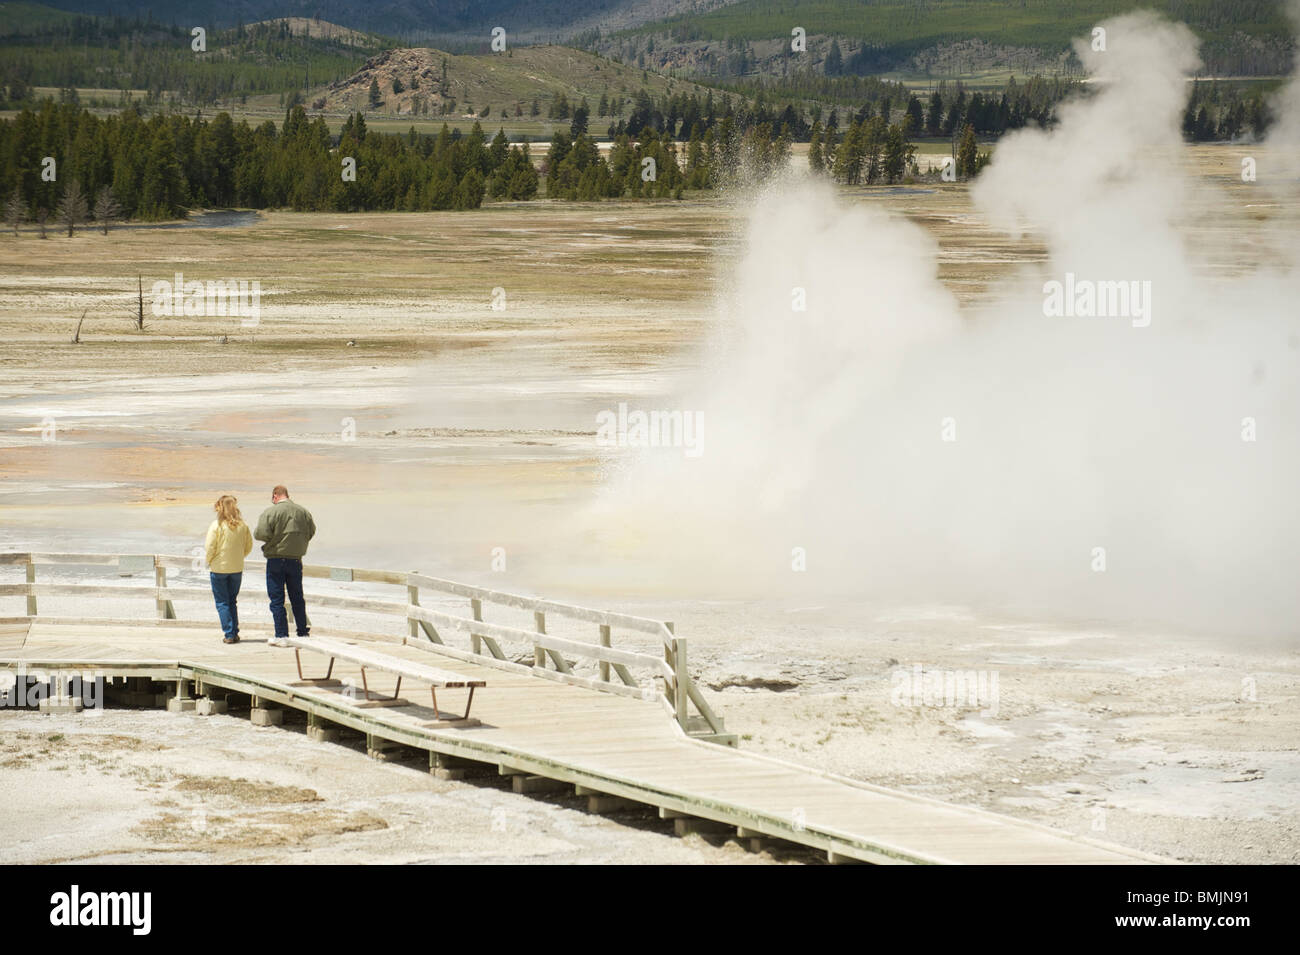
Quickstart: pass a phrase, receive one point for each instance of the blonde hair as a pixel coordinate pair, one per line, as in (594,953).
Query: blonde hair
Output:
(228,511)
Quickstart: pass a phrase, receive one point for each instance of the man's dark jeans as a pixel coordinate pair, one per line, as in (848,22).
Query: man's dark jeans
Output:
(225,590)
(286,573)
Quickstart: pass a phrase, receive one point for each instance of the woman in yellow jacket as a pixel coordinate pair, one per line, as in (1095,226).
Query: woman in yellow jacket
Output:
(229,542)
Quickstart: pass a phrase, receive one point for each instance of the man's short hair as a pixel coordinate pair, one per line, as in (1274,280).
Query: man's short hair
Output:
(279,491)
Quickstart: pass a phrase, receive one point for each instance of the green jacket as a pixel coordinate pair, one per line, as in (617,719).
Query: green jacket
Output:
(286,527)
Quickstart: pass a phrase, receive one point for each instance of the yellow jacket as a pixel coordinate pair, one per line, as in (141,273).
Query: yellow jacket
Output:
(227,548)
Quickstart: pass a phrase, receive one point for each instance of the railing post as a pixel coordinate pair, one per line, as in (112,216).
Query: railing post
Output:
(604,642)
(539,654)
(413,598)
(31,579)
(475,641)
(159,581)
(165,609)
(681,679)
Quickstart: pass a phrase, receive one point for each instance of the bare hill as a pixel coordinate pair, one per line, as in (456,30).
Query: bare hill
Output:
(426,81)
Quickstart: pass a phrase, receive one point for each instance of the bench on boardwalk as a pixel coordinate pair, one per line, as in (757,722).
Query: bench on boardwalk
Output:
(370,659)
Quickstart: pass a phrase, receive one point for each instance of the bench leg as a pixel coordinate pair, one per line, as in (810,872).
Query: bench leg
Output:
(297,657)
(397,690)
(433,692)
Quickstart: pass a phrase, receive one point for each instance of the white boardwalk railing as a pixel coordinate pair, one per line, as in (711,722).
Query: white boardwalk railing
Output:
(661,674)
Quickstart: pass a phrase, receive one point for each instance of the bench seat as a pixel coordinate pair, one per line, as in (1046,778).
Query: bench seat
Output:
(368,658)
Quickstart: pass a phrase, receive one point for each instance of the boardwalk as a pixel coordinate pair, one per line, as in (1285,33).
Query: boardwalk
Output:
(607,744)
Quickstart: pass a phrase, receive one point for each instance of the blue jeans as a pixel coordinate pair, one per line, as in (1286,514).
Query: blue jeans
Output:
(285,573)
(225,590)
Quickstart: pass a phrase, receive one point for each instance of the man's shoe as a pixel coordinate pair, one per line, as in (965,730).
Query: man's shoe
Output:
(278,642)
(230,640)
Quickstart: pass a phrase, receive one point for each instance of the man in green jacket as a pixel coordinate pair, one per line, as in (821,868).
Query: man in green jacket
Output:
(286,528)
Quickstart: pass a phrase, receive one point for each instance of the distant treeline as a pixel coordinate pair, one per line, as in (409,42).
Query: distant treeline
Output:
(160,166)
(1218,111)
(652,165)
(1214,111)
(948,110)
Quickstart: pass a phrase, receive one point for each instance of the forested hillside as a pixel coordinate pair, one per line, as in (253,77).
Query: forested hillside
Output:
(402,17)
(1241,37)
(141,54)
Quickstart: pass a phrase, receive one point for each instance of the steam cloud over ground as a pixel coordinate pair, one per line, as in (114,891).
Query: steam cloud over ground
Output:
(918,450)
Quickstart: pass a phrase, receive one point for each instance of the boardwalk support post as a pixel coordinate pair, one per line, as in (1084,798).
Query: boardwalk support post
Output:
(321,730)
(182,702)
(259,714)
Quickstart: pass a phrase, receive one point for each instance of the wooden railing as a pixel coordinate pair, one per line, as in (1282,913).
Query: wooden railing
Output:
(618,670)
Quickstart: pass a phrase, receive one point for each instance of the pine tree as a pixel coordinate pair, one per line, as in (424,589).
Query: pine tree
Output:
(499,151)
(915,115)
(955,113)
(469,194)
(967,153)
(524,180)
(898,152)
(162,189)
(873,145)
(848,157)
(834,65)
(815,161)
(376,98)
(442,188)
(934,118)
(579,125)
(780,151)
